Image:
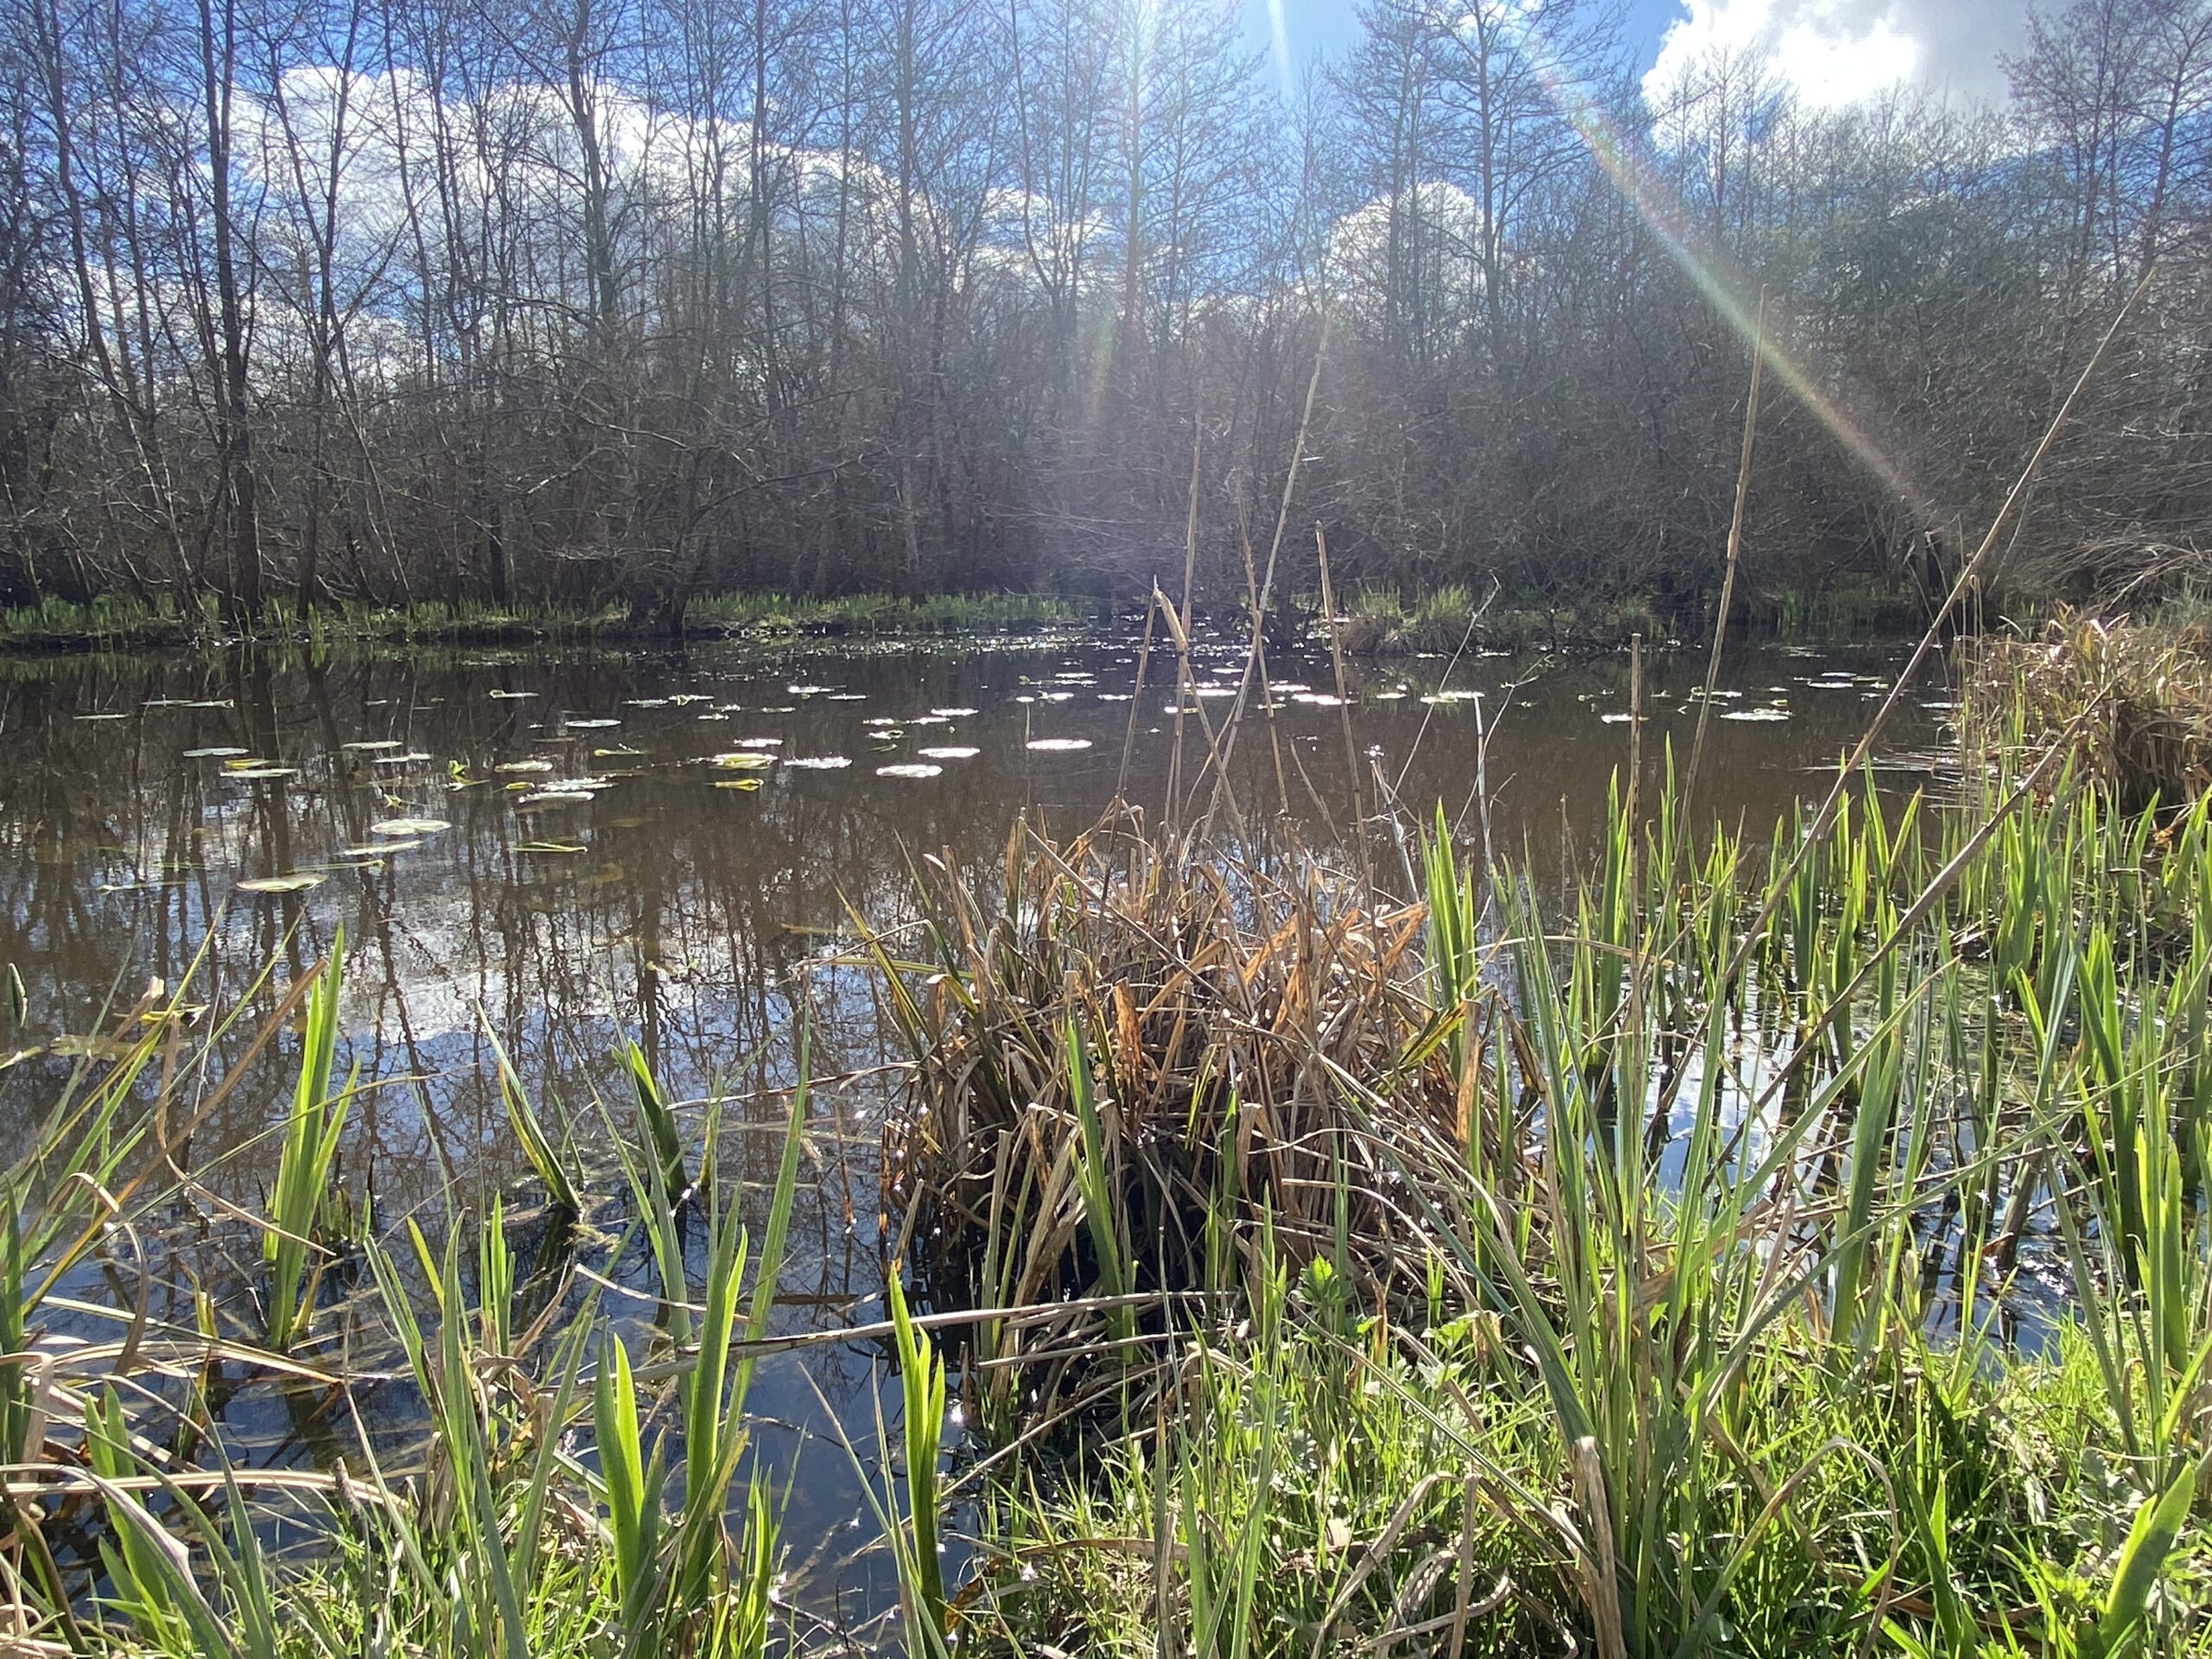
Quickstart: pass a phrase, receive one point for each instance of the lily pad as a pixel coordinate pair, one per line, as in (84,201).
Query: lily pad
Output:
(817,763)
(408,827)
(1058,745)
(545,797)
(219,753)
(593,725)
(742,760)
(368,744)
(252,774)
(298,882)
(532,767)
(951,753)
(737,783)
(952,713)
(551,847)
(909,771)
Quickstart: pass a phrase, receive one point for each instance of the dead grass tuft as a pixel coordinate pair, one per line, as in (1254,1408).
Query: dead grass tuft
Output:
(2145,689)
(1218,1004)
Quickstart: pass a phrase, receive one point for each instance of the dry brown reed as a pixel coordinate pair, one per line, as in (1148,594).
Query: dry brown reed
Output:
(2131,701)
(1217,1003)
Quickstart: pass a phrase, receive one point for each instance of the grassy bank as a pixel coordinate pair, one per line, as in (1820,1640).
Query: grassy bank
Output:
(110,625)
(1787,1246)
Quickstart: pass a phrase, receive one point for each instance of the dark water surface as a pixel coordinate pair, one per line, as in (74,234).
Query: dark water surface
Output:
(665,847)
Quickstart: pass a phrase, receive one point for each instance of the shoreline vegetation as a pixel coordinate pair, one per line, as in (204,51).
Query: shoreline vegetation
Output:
(1787,1245)
(108,625)
(1372,622)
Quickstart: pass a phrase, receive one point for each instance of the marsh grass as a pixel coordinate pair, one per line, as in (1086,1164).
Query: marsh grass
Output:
(1790,1247)
(1858,1300)
(562,1496)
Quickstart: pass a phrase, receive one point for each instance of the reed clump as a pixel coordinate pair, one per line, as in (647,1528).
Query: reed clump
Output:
(1129,1050)
(2130,702)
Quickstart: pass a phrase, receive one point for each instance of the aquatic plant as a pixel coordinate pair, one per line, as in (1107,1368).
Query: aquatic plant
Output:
(300,1196)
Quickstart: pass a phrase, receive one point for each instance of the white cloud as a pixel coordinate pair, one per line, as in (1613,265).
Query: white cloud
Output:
(1833,52)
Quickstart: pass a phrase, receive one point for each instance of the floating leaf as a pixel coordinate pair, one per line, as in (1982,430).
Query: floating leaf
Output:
(759,743)
(817,763)
(523,765)
(742,760)
(593,725)
(908,772)
(377,849)
(103,716)
(409,827)
(253,773)
(414,756)
(737,783)
(298,882)
(545,797)
(953,753)
(1756,714)
(217,753)
(952,713)
(1058,745)
(509,696)
(551,847)
(367,744)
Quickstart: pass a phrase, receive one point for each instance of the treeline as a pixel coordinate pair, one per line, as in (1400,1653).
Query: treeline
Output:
(567,301)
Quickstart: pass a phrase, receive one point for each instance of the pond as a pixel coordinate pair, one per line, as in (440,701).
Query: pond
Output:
(561,851)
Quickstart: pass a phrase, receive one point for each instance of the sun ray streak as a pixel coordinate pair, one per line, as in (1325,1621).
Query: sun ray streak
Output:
(1708,269)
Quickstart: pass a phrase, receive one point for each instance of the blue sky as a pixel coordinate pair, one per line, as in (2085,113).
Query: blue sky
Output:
(1318,28)
(1832,51)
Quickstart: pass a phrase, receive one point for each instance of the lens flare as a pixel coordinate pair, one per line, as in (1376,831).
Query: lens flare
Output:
(1664,214)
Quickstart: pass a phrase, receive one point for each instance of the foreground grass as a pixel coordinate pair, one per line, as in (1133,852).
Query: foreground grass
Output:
(1807,1264)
